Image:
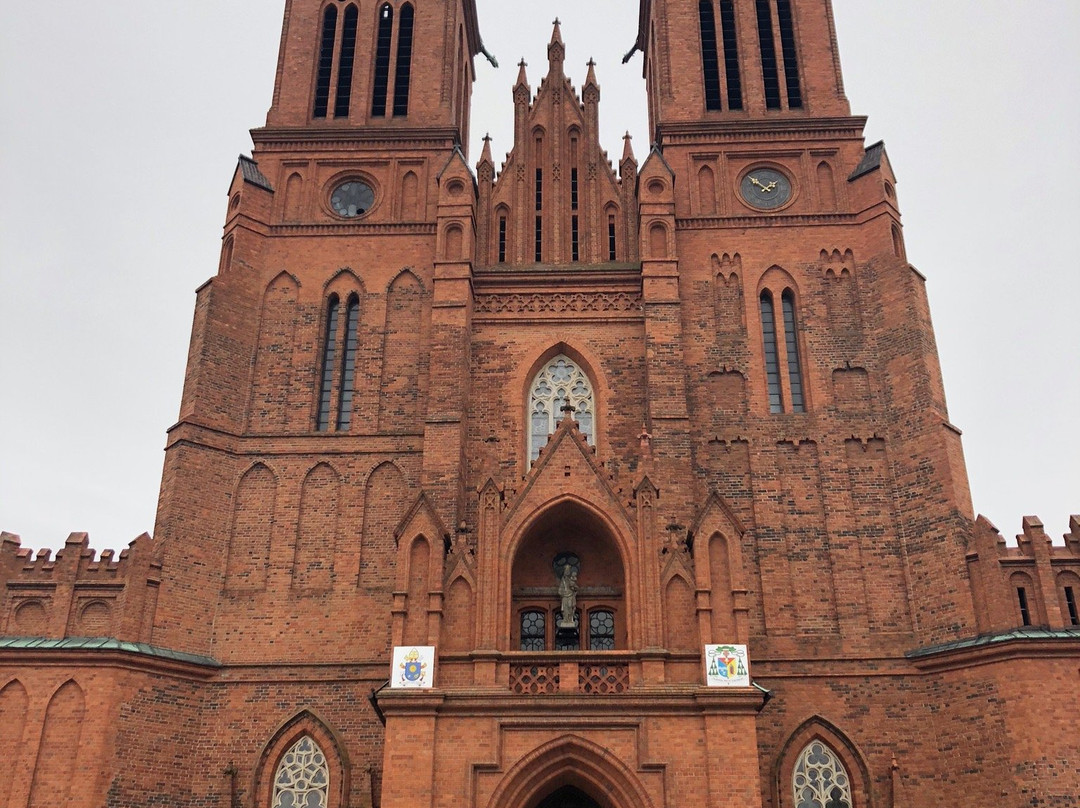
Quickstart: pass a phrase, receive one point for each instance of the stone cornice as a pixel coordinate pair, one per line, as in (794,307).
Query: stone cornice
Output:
(357,229)
(562,709)
(352,138)
(768,129)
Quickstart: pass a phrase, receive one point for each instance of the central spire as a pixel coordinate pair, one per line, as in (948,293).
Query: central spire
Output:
(556,50)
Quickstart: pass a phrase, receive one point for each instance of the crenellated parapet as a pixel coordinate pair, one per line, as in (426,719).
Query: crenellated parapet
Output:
(1035,583)
(78,592)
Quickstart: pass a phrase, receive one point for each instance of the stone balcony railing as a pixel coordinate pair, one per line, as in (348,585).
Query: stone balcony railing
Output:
(583,673)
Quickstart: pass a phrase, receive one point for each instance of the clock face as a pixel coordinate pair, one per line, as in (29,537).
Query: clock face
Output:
(765,188)
(351,199)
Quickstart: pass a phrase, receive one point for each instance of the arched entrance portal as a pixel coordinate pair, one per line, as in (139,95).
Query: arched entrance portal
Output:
(568,797)
(568,585)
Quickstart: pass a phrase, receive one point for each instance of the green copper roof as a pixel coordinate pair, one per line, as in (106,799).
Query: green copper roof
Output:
(102,644)
(986,640)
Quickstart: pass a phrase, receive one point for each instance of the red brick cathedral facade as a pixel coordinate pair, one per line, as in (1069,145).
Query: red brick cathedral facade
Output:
(567,422)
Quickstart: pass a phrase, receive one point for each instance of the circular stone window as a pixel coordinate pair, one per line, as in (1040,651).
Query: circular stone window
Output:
(351,199)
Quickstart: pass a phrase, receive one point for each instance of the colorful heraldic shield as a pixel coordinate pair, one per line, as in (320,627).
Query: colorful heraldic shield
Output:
(727,666)
(414,666)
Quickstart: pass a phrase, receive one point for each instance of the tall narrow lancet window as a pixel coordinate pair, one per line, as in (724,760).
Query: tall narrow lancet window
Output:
(611,236)
(382,61)
(403,65)
(791,343)
(539,194)
(345,63)
(326,62)
(731,54)
(326,383)
(787,49)
(770,72)
(573,173)
(502,239)
(710,61)
(348,364)
(560,383)
(772,354)
(302,778)
(819,779)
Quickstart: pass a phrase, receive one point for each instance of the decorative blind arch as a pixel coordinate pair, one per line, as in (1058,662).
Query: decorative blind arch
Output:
(820,779)
(560,382)
(302,779)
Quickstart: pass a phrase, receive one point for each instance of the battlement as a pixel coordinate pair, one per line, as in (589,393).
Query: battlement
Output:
(78,592)
(1035,583)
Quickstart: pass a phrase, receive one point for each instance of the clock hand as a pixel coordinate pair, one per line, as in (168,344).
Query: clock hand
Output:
(755,181)
(769,187)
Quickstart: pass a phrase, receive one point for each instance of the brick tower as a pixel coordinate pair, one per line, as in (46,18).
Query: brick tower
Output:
(568,423)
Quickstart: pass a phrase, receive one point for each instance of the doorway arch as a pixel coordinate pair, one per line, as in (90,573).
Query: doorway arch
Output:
(571,762)
(568,797)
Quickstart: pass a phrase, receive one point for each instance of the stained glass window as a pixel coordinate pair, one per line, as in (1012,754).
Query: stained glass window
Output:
(819,780)
(601,630)
(558,384)
(303,778)
(533,631)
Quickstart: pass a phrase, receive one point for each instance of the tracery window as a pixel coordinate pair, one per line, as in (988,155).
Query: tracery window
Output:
(534,630)
(559,383)
(302,779)
(601,630)
(820,780)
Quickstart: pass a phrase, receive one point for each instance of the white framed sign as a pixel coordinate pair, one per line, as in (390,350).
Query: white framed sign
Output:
(413,666)
(727,666)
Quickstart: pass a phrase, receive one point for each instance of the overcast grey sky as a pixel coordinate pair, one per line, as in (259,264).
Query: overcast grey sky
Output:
(120,122)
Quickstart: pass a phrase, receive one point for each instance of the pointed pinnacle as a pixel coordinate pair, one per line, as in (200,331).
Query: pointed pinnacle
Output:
(590,79)
(485,155)
(522,79)
(556,34)
(628,148)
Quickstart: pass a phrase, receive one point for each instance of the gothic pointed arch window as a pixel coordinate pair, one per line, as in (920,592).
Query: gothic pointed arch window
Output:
(326,62)
(382,61)
(345,63)
(709,60)
(403,66)
(302,779)
(560,383)
(820,780)
(780,332)
(338,373)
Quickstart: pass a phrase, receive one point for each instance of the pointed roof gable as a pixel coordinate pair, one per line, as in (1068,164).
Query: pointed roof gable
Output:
(568,465)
